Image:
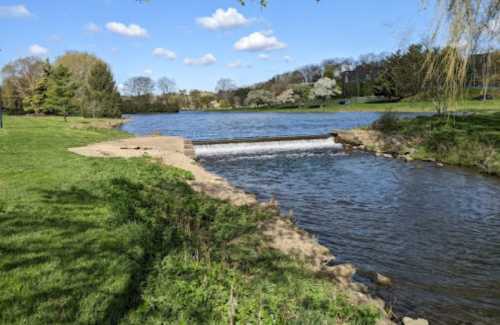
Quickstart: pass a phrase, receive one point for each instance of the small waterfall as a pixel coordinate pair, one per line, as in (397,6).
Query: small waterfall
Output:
(264,146)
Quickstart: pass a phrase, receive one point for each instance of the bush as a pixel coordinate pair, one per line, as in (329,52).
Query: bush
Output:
(145,104)
(388,122)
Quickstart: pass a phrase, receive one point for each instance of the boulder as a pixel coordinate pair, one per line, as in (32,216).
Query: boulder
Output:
(411,321)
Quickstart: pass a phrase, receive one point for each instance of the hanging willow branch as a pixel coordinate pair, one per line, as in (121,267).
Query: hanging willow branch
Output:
(466,27)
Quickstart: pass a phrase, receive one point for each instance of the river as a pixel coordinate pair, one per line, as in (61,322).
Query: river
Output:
(434,231)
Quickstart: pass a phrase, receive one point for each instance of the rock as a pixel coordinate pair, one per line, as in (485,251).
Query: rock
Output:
(359,287)
(382,280)
(376,278)
(440,165)
(411,321)
(387,155)
(347,137)
(343,271)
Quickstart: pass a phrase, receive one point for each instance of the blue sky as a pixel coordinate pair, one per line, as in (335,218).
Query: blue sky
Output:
(248,44)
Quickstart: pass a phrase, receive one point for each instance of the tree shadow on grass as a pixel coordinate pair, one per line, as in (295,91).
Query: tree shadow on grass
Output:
(62,263)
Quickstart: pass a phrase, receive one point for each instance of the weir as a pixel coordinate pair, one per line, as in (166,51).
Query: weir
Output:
(261,145)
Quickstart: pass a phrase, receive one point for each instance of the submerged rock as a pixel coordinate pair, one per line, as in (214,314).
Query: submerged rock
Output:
(411,321)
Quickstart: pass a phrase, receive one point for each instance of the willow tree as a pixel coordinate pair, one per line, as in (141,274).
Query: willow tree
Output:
(467,27)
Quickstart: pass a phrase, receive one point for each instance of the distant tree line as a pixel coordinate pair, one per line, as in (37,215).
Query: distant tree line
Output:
(394,76)
(79,83)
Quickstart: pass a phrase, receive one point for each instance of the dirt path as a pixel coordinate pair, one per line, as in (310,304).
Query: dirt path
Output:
(170,151)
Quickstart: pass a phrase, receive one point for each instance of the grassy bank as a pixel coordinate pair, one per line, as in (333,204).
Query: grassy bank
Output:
(107,241)
(403,106)
(469,141)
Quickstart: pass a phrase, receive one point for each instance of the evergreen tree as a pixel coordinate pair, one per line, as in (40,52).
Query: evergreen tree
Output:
(60,92)
(104,99)
(36,101)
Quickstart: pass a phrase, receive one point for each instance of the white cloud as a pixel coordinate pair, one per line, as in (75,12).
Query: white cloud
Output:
(264,57)
(131,30)
(221,19)
(92,28)
(17,11)
(164,53)
(259,41)
(148,72)
(235,64)
(206,59)
(287,58)
(38,50)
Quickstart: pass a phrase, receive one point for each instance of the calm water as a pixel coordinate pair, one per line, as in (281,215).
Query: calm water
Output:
(220,125)
(434,231)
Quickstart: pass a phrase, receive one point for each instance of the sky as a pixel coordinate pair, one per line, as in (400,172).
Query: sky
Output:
(197,42)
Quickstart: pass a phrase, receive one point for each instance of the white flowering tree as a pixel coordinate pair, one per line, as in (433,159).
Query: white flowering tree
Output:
(259,97)
(324,89)
(287,97)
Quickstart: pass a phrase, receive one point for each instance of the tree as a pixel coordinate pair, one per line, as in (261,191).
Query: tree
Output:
(11,99)
(36,101)
(225,85)
(60,92)
(166,85)
(22,76)
(139,86)
(287,97)
(324,89)
(101,88)
(259,97)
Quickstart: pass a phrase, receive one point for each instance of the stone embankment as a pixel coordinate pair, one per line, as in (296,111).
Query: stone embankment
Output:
(279,233)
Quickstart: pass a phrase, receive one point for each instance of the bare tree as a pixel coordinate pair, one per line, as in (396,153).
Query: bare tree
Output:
(23,74)
(225,85)
(139,86)
(166,85)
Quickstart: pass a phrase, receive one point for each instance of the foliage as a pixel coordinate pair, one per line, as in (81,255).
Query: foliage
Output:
(60,92)
(148,104)
(20,77)
(324,89)
(139,86)
(259,97)
(107,241)
(287,97)
(103,97)
(464,140)
(388,122)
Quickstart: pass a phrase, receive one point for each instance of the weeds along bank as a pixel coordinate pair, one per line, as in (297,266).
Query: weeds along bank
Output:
(470,140)
(93,241)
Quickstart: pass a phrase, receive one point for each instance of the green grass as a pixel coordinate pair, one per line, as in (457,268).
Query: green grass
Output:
(115,241)
(403,106)
(470,141)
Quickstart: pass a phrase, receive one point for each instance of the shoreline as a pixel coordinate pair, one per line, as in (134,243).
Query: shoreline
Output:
(394,146)
(279,233)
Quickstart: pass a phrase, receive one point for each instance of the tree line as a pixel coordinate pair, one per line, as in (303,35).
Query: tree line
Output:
(402,75)
(77,83)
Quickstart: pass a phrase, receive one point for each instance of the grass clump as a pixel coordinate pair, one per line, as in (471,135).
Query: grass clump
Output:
(471,140)
(115,241)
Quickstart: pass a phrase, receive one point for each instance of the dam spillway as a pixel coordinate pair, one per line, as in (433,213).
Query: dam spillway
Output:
(263,145)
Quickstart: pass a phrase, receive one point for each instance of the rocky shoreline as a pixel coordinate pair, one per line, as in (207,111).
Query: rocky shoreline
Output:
(279,233)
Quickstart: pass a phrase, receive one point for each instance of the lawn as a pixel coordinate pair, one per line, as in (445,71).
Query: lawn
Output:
(115,241)
(403,106)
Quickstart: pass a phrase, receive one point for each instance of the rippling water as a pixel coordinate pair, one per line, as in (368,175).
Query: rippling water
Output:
(434,231)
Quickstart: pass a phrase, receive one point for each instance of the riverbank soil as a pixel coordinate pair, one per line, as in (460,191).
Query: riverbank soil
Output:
(94,241)
(471,140)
